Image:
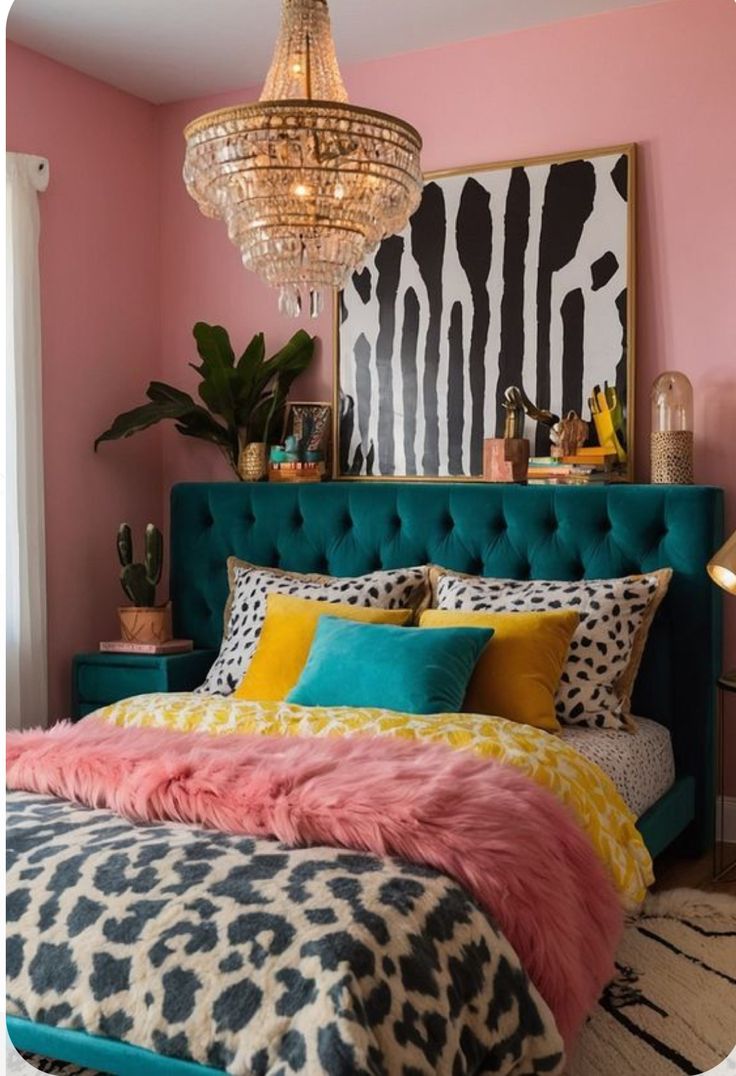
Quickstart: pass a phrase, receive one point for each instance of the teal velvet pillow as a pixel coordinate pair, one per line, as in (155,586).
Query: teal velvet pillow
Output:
(388,667)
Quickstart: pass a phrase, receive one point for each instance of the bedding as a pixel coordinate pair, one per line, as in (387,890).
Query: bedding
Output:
(401,588)
(380,665)
(286,638)
(547,760)
(273,893)
(606,649)
(336,957)
(641,766)
(518,676)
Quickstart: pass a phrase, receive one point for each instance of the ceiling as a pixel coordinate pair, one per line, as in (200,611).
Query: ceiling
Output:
(168,50)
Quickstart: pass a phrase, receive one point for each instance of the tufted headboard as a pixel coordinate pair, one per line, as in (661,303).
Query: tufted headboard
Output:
(543,532)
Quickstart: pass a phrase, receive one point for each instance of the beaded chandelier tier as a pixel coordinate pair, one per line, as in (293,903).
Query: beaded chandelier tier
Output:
(307,184)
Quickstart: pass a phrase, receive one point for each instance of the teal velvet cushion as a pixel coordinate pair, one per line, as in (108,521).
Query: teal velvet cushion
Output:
(387,667)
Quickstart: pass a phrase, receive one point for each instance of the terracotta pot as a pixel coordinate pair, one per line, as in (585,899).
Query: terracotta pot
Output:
(140,624)
(253,462)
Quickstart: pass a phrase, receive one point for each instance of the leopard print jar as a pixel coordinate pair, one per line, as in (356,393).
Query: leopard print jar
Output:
(672,457)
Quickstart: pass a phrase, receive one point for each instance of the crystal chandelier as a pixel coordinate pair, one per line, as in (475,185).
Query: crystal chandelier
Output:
(307,183)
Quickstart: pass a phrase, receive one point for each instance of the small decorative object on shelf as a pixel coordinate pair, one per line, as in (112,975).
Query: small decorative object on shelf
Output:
(505,459)
(253,462)
(568,435)
(143,621)
(672,430)
(608,418)
(304,454)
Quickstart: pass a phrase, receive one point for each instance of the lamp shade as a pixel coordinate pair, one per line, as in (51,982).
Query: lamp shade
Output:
(722,566)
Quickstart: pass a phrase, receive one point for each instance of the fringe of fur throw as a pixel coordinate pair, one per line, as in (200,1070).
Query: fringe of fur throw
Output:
(508,841)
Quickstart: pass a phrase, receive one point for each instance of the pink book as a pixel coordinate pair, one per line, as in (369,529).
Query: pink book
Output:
(173,646)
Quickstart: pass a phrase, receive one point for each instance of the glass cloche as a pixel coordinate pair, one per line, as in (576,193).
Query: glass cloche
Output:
(672,403)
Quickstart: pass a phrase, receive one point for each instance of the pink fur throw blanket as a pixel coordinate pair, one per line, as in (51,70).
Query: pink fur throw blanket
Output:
(510,843)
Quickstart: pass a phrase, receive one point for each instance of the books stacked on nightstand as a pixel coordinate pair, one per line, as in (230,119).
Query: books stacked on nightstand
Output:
(121,646)
(588,465)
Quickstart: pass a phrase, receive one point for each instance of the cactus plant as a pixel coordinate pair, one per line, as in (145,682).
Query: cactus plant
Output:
(139,580)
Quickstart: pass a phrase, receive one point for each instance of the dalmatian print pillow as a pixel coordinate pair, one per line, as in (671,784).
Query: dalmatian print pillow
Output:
(612,612)
(397,588)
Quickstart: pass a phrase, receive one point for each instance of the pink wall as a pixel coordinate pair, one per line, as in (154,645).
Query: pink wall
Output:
(663,76)
(99,295)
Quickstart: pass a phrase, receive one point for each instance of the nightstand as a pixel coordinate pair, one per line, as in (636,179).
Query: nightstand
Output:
(99,679)
(721,869)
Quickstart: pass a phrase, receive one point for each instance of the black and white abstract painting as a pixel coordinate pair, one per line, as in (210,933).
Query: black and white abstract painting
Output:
(506,275)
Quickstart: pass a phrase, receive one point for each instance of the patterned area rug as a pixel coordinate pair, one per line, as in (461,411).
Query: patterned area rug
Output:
(672,1008)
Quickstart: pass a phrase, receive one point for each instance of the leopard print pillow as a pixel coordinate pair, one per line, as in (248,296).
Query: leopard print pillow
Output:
(396,588)
(612,613)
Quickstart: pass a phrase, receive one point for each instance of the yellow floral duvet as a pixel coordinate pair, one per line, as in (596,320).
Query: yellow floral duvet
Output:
(574,780)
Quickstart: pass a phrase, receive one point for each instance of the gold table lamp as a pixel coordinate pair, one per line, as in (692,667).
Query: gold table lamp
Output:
(722,565)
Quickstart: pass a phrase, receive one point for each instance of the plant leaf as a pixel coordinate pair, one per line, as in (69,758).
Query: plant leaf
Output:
(218,387)
(213,344)
(200,424)
(140,418)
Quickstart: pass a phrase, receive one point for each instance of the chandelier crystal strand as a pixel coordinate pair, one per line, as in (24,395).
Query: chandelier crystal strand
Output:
(306,183)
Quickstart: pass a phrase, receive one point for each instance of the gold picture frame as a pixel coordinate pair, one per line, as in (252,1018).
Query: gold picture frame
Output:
(627,150)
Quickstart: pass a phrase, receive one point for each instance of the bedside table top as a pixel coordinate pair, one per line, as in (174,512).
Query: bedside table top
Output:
(105,657)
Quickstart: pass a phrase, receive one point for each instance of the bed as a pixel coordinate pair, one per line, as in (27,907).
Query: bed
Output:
(353,528)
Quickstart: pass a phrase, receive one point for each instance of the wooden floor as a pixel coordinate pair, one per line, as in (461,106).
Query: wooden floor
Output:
(674,872)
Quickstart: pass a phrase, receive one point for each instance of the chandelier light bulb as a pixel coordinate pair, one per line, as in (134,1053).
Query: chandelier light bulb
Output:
(306,183)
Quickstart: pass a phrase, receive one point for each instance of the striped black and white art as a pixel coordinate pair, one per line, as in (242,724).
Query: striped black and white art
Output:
(504,276)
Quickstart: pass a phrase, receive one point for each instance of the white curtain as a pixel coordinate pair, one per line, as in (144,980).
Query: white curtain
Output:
(25,580)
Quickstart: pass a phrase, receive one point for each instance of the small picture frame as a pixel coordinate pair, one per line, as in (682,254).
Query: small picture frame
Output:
(305,454)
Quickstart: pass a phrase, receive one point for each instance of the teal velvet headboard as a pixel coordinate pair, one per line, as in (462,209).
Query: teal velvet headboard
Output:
(544,532)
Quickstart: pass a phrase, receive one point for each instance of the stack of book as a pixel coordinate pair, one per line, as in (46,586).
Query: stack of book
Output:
(122,646)
(588,465)
(296,472)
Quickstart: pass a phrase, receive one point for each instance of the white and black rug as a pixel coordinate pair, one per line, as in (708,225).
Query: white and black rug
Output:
(672,1007)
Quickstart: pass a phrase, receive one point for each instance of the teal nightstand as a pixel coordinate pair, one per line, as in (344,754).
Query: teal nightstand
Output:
(99,679)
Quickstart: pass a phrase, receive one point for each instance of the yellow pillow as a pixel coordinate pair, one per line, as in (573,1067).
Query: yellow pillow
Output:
(286,638)
(518,672)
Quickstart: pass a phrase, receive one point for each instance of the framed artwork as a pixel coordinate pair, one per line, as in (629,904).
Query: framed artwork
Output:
(512,274)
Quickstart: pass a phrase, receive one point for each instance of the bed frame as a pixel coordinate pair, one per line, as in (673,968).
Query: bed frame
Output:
(346,528)
(540,532)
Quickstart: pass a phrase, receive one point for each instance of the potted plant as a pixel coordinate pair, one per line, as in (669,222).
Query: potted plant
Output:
(143,621)
(244,398)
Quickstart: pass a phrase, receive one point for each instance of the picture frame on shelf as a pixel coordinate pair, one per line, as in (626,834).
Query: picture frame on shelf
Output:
(305,454)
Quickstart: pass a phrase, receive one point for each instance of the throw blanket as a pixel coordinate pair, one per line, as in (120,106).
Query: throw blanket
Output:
(549,761)
(516,849)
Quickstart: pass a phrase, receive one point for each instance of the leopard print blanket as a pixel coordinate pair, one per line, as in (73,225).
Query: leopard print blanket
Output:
(257,958)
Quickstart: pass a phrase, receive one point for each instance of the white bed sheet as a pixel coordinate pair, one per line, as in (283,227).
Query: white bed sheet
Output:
(641,764)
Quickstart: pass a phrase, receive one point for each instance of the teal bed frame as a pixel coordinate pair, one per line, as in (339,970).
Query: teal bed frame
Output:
(541,532)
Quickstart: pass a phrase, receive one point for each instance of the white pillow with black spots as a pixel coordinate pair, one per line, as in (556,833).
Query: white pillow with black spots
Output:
(611,613)
(396,588)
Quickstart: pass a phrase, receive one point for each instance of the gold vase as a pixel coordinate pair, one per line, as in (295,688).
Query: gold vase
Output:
(253,462)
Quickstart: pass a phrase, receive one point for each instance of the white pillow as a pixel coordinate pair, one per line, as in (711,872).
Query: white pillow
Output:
(612,612)
(395,588)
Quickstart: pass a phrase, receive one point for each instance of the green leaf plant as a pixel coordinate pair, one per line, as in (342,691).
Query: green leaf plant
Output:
(244,399)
